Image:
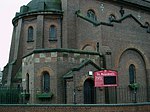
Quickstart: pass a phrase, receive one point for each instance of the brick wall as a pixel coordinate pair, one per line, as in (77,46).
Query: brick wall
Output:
(145,107)
(53,62)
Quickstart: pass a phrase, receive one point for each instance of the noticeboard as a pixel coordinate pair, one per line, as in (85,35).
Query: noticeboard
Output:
(105,78)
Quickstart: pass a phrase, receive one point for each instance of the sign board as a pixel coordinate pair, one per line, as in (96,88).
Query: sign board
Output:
(105,78)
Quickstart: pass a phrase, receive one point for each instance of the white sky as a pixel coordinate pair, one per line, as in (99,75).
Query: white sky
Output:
(8,10)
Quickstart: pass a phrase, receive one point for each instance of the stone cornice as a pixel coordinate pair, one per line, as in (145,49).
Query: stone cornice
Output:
(63,50)
(33,13)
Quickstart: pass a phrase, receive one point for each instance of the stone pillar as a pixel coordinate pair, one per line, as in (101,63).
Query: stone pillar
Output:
(40,32)
(16,37)
(11,54)
(64,24)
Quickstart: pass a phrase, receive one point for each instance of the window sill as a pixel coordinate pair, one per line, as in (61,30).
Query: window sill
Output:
(30,41)
(134,86)
(52,39)
(44,95)
(25,95)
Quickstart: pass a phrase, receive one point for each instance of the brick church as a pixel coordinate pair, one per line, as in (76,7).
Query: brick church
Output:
(57,45)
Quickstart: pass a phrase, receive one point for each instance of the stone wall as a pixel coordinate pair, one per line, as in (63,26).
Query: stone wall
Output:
(145,107)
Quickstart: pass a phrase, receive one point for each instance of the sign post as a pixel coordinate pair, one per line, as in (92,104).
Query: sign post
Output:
(105,78)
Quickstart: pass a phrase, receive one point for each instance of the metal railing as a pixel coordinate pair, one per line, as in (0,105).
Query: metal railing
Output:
(108,95)
(9,95)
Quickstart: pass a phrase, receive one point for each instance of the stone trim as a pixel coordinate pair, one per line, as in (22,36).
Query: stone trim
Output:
(63,50)
(95,23)
(77,105)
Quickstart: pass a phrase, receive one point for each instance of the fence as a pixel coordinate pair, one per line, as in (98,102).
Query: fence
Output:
(9,95)
(110,95)
(125,95)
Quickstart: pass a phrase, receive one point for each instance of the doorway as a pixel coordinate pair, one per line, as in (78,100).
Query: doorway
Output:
(89,92)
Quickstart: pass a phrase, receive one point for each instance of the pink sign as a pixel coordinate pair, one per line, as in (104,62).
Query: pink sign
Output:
(105,78)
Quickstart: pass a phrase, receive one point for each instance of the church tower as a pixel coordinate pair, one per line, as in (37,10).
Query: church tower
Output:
(43,50)
(38,25)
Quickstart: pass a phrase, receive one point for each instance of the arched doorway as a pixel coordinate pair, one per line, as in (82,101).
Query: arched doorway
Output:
(89,92)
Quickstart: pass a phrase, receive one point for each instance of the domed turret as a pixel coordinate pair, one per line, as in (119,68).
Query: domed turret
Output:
(44,5)
(36,6)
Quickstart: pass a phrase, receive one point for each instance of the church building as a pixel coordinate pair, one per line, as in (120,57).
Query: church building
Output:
(57,45)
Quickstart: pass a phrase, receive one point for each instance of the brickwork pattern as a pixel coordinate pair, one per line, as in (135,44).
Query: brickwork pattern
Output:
(58,56)
(53,63)
(75,108)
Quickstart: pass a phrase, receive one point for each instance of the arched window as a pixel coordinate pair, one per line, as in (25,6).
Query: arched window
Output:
(52,32)
(146,24)
(88,47)
(46,82)
(112,17)
(132,74)
(91,15)
(30,34)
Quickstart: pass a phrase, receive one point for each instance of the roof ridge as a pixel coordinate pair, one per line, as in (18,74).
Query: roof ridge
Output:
(85,62)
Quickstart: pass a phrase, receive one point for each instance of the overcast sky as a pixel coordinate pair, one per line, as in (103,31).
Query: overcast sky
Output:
(8,10)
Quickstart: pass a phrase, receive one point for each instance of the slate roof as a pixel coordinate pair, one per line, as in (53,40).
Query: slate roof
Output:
(38,6)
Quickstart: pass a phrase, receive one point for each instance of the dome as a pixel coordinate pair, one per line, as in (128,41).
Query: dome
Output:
(41,5)
(36,5)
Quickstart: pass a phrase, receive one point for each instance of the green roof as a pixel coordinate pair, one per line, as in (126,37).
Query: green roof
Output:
(41,6)
(36,5)
(44,95)
(47,50)
(70,74)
